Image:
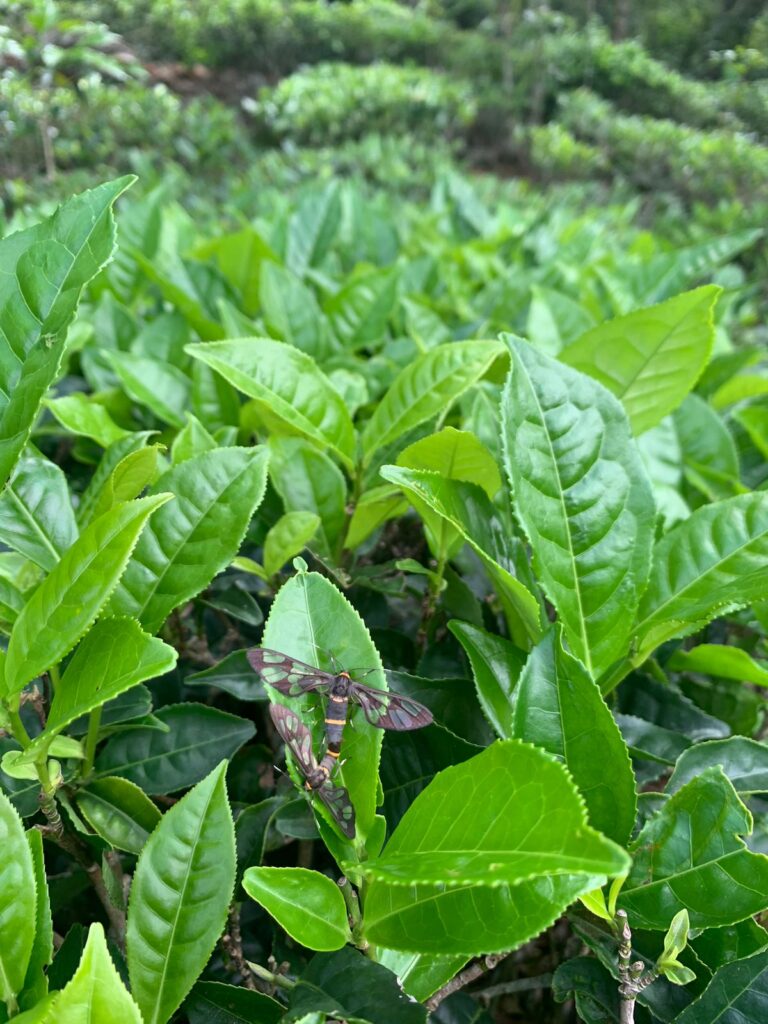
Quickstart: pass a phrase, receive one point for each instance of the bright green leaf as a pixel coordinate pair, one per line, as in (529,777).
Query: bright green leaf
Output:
(81,415)
(306,904)
(288,538)
(496,666)
(36,517)
(119,811)
(18,902)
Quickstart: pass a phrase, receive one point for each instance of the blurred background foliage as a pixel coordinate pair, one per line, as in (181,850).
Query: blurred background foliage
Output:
(665,101)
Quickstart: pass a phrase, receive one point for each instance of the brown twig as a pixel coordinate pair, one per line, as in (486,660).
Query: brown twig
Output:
(232,941)
(632,980)
(467,976)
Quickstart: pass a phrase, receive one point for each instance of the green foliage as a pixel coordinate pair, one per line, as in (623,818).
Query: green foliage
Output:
(304,433)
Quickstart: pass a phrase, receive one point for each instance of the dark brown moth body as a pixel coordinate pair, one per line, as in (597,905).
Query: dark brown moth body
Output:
(317,776)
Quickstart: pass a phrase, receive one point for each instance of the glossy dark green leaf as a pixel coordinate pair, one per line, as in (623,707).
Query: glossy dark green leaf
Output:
(234,675)
(215,495)
(690,856)
(496,666)
(719,946)
(737,994)
(560,708)
(164,762)
(252,830)
(18,902)
(307,905)
(119,812)
(72,595)
(744,761)
(46,268)
(181,890)
(347,984)
(289,388)
(36,517)
(583,498)
(211,1002)
(588,983)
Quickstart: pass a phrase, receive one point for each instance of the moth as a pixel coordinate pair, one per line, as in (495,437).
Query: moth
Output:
(317,774)
(293,678)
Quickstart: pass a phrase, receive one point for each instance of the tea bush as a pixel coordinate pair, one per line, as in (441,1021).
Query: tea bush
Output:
(321,432)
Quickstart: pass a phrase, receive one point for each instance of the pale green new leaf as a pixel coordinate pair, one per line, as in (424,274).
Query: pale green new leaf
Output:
(487,855)
(72,595)
(45,269)
(18,901)
(306,904)
(199,534)
(711,564)
(114,656)
(650,358)
(582,495)
(559,708)
(130,477)
(721,661)
(179,898)
(193,439)
(36,517)
(159,386)
(96,994)
(456,455)
(287,538)
(81,415)
(426,388)
(288,386)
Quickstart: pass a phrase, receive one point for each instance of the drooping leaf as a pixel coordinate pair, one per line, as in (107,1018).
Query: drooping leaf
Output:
(119,812)
(690,856)
(310,620)
(583,498)
(559,708)
(36,517)
(306,904)
(18,902)
(72,595)
(96,994)
(215,495)
(425,388)
(496,666)
(350,986)
(159,386)
(722,661)
(232,674)
(468,508)
(710,564)
(458,852)
(164,762)
(45,269)
(288,386)
(179,897)
(81,415)
(651,358)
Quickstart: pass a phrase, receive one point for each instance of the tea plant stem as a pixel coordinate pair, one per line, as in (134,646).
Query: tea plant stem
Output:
(94,725)
(277,980)
(232,941)
(20,733)
(632,976)
(465,977)
(55,676)
(353,911)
